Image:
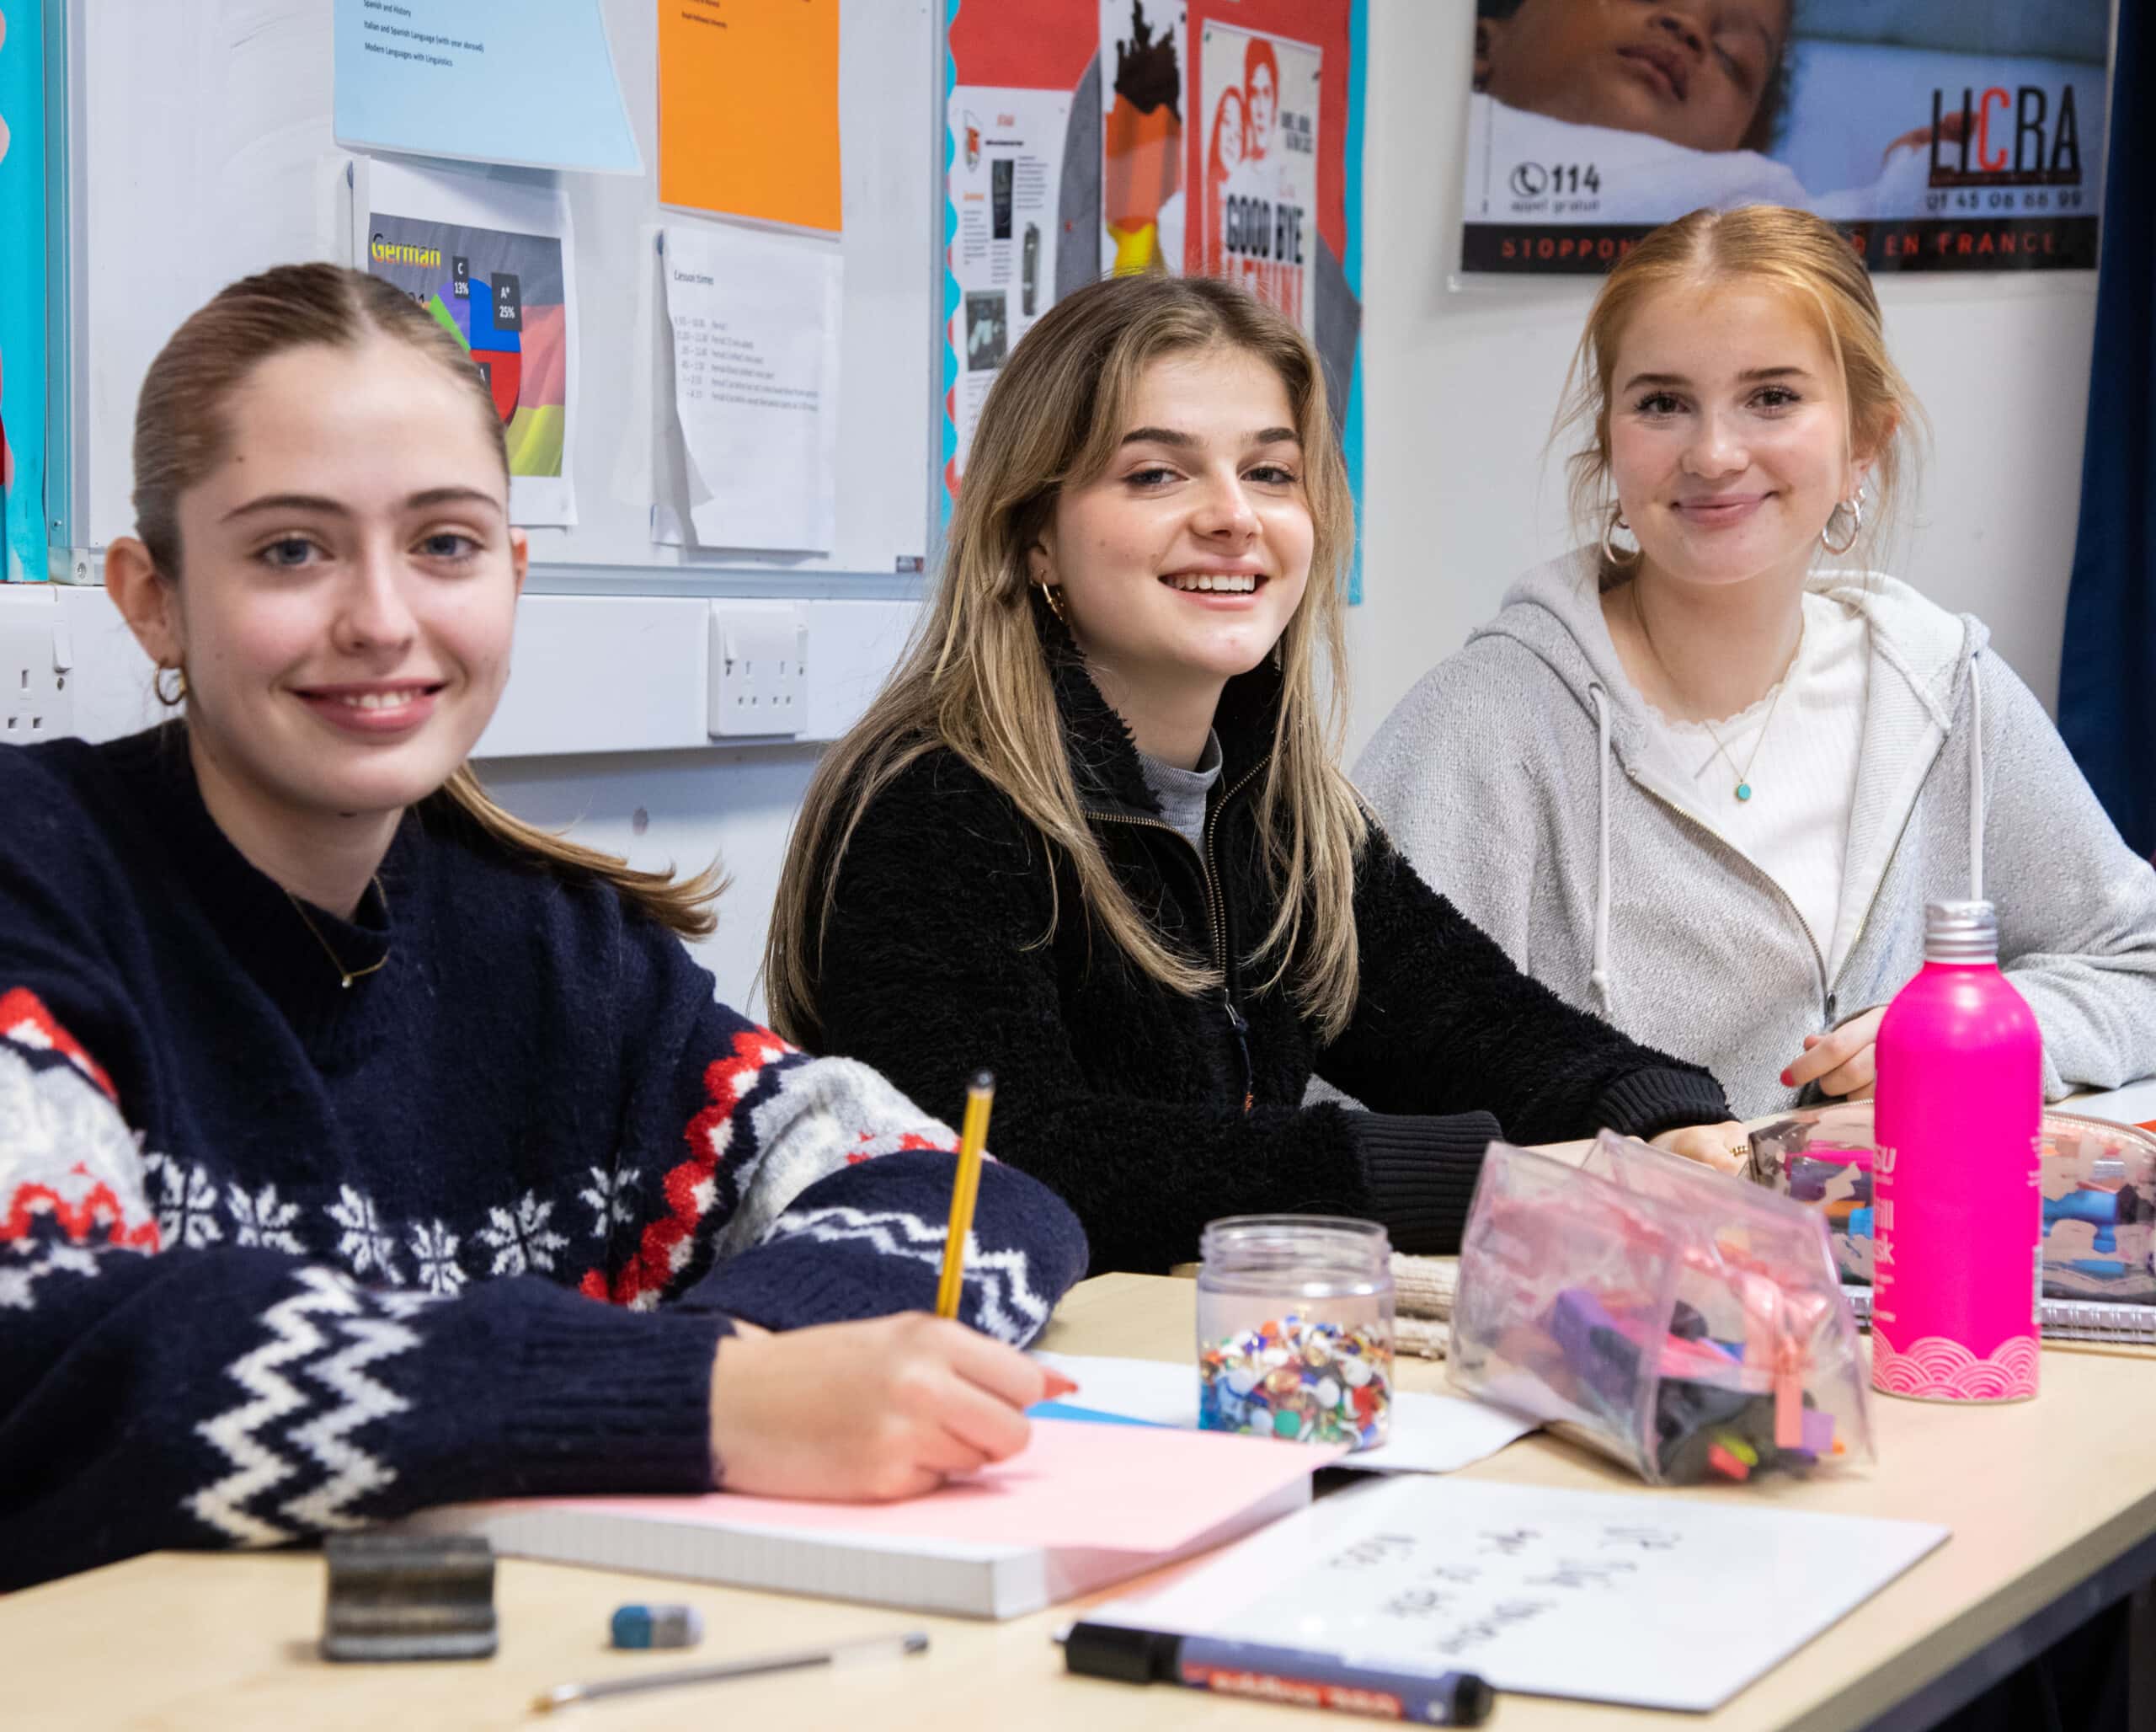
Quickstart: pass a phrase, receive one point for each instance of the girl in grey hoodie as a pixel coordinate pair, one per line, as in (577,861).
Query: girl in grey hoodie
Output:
(1702,780)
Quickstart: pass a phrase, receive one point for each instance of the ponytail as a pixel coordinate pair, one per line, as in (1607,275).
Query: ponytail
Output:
(683,905)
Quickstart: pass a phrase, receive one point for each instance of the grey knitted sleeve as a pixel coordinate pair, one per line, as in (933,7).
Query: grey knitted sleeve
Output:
(2077,909)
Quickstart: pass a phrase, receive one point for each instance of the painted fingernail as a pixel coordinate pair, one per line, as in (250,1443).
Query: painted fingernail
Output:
(1060,1384)
(1788,1081)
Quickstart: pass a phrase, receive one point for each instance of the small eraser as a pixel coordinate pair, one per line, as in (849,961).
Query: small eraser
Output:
(639,1625)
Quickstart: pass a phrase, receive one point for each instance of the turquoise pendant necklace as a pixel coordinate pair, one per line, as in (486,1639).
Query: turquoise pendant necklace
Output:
(1744,776)
(1743,790)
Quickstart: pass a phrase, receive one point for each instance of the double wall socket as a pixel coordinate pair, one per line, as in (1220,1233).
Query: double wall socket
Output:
(759,668)
(34,702)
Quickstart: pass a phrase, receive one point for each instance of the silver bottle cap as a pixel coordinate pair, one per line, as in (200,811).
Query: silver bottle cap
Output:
(1961,932)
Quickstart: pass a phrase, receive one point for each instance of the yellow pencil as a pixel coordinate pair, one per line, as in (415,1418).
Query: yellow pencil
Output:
(973,1137)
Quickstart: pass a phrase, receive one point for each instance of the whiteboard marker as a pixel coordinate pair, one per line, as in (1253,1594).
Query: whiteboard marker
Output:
(1285,1674)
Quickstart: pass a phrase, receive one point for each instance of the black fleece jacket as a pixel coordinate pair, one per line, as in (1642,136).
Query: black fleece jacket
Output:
(1151,1112)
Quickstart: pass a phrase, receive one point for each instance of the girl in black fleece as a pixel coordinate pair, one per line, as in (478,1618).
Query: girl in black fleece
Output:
(1093,835)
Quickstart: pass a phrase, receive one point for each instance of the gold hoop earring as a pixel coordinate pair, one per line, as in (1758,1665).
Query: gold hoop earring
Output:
(178,695)
(1052,594)
(1609,552)
(1855,508)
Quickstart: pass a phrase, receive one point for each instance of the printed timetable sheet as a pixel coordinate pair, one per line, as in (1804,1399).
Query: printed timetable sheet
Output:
(755,318)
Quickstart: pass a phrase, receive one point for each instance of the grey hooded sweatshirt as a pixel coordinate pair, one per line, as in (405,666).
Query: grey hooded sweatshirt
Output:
(1515,776)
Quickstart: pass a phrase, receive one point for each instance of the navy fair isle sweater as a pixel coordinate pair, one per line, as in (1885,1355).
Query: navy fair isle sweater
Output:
(278,1256)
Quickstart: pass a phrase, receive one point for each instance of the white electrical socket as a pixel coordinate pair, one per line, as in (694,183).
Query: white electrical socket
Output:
(759,668)
(36,703)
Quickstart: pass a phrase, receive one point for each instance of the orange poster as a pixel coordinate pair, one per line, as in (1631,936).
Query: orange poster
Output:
(748,108)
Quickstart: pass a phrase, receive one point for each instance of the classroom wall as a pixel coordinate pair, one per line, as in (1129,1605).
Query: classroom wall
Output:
(1461,391)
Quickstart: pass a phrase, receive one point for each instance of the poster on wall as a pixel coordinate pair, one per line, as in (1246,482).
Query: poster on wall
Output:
(1142,57)
(1259,115)
(1006,181)
(1940,135)
(487,259)
(22,293)
(1104,108)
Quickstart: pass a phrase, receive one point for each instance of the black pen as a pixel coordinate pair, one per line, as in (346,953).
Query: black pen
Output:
(1287,1674)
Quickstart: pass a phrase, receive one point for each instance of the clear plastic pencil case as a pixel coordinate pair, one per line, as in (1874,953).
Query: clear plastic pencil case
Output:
(2099,1182)
(1688,1324)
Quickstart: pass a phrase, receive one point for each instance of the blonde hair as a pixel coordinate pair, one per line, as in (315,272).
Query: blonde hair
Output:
(1812,262)
(181,433)
(977,680)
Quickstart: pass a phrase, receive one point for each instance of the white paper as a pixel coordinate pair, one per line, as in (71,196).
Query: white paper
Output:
(2133,1105)
(1254,213)
(1430,1433)
(1639,1598)
(756,319)
(448,238)
(1006,171)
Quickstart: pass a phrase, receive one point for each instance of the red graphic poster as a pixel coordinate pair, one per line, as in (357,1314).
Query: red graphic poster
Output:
(1259,114)
(1138,181)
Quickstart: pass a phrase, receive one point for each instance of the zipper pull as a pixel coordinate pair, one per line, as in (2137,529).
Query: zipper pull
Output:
(1830,1010)
(1242,1046)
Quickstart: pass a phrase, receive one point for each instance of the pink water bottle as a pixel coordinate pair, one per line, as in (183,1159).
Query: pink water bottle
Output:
(1957,1226)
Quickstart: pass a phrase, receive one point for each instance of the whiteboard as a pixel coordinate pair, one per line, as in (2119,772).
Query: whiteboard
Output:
(201,148)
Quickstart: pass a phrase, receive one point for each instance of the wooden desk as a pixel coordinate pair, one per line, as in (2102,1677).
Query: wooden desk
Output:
(2042,1497)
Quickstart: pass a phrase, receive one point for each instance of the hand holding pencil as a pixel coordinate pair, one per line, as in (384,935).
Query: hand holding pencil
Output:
(883,1409)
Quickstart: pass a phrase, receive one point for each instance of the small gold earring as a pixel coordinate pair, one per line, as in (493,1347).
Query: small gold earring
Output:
(174,699)
(1052,593)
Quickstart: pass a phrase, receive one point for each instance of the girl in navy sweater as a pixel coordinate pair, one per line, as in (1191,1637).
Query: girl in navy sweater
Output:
(362,1148)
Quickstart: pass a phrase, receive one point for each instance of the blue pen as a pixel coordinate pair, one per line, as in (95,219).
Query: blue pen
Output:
(1287,1674)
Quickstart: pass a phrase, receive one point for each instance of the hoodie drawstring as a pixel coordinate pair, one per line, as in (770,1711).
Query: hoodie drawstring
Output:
(1598,975)
(1976,783)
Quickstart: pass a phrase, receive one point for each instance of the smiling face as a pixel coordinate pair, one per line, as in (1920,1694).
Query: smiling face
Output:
(349,583)
(1692,72)
(1228,133)
(1264,102)
(1728,433)
(1181,564)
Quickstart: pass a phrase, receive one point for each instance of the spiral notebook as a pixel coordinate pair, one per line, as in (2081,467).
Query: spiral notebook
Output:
(2060,1319)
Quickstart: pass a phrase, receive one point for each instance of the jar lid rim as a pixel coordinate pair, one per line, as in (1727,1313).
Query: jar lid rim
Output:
(1346,1225)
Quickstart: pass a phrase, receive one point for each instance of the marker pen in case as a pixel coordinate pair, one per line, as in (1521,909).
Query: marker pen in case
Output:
(1268,1674)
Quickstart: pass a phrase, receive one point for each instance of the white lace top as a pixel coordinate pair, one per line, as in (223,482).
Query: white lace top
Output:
(1799,758)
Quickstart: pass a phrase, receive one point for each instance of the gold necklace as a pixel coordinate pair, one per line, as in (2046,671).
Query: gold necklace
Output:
(1743,789)
(345,975)
(1744,776)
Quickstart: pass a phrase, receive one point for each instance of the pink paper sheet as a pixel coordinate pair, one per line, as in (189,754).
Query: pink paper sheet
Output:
(1107,1488)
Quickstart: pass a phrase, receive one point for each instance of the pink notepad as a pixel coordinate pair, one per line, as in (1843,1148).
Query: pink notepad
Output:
(1103,1488)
